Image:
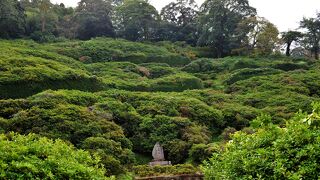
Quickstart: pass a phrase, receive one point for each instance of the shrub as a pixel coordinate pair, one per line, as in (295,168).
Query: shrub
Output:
(25,72)
(201,152)
(10,107)
(78,125)
(106,49)
(272,152)
(248,73)
(288,66)
(42,37)
(34,157)
(158,70)
(178,82)
(245,63)
(201,65)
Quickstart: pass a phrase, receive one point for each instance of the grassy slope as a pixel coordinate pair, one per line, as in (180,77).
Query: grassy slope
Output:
(26,69)
(189,103)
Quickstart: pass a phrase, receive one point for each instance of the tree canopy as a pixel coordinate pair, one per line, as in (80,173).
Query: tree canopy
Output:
(12,19)
(312,37)
(94,19)
(218,22)
(289,37)
(137,20)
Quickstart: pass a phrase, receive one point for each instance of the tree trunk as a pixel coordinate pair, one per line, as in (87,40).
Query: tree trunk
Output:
(43,27)
(316,53)
(220,51)
(288,49)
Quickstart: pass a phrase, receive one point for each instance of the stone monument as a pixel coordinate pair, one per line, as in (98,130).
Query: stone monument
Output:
(158,156)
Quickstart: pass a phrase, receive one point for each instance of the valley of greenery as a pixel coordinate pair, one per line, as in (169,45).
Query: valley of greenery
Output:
(117,110)
(86,92)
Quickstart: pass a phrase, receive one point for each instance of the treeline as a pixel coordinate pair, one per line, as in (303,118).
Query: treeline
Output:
(224,27)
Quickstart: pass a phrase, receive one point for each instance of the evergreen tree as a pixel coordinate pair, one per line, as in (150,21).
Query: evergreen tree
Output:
(93,19)
(12,19)
(218,22)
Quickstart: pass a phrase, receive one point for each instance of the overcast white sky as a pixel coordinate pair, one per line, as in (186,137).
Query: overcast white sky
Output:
(285,14)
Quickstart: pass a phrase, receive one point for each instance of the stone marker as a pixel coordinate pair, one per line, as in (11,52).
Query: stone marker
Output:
(158,156)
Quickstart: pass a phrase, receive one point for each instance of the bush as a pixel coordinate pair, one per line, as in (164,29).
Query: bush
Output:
(201,65)
(106,49)
(272,152)
(201,152)
(178,82)
(26,71)
(42,37)
(158,70)
(288,66)
(34,157)
(80,126)
(248,73)
(10,107)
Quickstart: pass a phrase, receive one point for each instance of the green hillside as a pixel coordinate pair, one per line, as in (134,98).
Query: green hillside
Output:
(116,98)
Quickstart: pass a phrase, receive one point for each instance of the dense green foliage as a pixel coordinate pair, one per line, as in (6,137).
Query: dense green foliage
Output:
(27,69)
(34,157)
(137,20)
(118,109)
(312,40)
(95,107)
(179,22)
(218,23)
(102,50)
(222,27)
(64,115)
(271,152)
(93,18)
(11,19)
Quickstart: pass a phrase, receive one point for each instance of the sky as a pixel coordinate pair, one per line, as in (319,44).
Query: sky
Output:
(285,14)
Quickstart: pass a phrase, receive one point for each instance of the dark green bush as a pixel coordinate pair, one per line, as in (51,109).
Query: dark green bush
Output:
(245,63)
(10,107)
(42,37)
(201,65)
(25,72)
(248,73)
(201,152)
(288,66)
(104,49)
(81,126)
(158,70)
(178,82)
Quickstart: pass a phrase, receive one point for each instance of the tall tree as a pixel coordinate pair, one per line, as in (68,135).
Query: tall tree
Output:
(253,33)
(180,17)
(44,7)
(137,20)
(218,22)
(289,37)
(42,17)
(267,40)
(12,19)
(66,25)
(180,12)
(93,18)
(312,36)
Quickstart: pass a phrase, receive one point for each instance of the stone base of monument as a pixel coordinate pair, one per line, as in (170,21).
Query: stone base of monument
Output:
(159,163)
